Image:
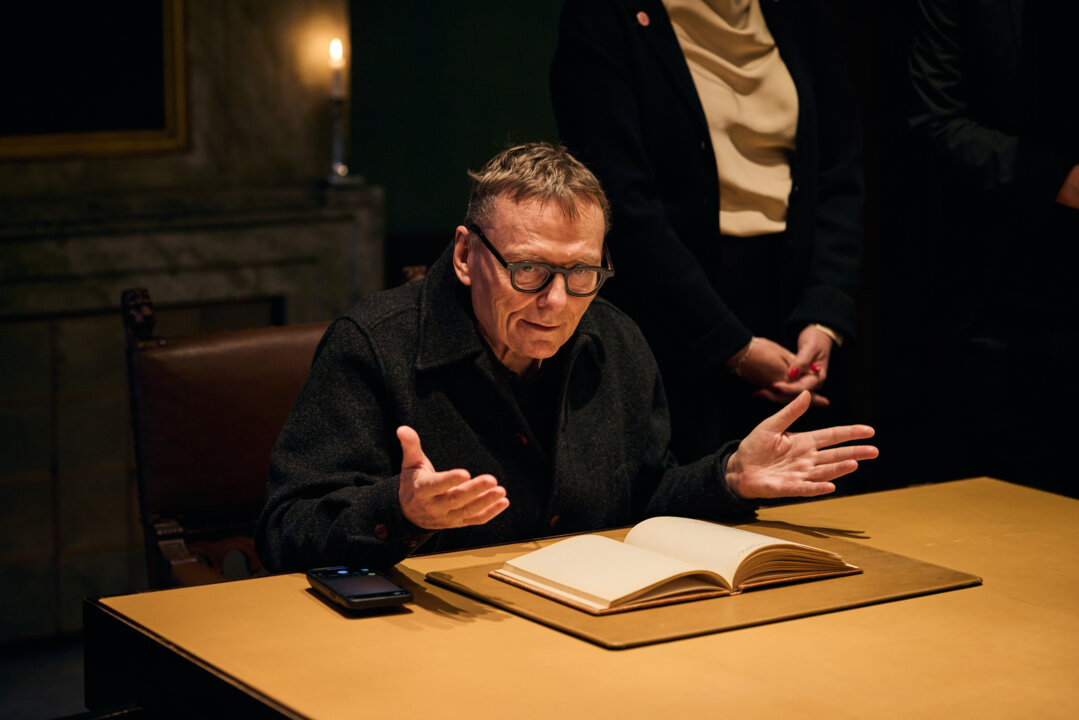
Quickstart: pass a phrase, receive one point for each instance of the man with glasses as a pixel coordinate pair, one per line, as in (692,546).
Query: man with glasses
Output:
(539,406)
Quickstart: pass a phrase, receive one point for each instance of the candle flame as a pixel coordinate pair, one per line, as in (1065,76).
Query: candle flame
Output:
(337,54)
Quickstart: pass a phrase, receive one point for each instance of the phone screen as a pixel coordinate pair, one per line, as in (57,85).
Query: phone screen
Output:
(357,587)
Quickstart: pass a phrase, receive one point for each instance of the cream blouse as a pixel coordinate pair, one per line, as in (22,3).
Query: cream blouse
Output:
(751,106)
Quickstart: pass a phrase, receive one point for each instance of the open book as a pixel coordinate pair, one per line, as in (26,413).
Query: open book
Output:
(665,560)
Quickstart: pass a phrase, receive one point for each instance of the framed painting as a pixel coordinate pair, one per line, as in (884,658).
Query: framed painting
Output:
(92,79)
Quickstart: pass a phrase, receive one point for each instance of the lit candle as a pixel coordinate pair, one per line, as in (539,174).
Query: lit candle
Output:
(337,64)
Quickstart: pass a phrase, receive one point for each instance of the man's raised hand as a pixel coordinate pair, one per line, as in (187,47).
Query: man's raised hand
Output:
(438,500)
(771,462)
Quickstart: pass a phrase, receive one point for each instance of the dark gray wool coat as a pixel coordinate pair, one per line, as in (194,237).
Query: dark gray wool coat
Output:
(413,355)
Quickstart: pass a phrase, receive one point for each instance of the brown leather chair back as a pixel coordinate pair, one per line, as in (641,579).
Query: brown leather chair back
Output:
(206,412)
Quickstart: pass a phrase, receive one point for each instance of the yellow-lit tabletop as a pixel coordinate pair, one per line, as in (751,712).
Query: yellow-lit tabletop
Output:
(1006,649)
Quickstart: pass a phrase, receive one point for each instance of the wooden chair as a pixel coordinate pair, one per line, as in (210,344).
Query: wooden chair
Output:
(205,412)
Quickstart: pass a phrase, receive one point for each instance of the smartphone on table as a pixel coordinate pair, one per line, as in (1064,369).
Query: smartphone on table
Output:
(354,588)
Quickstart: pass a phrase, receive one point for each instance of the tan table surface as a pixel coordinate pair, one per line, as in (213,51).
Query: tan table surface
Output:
(1006,649)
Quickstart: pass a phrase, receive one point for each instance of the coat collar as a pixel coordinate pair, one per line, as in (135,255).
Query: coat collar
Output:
(447,325)
(660,36)
(447,328)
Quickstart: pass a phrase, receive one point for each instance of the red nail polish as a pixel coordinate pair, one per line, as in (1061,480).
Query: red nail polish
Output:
(793,372)
(815,367)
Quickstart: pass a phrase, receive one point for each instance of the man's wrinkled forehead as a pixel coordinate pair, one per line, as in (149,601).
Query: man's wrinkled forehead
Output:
(578,212)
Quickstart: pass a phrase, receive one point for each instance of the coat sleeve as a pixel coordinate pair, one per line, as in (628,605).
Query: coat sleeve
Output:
(334,472)
(699,490)
(661,486)
(977,153)
(835,180)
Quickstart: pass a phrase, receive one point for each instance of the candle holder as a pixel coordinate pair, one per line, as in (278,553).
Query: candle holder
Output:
(339,174)
(338,168)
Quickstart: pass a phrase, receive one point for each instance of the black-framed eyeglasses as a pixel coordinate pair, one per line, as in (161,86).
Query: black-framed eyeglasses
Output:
(529,276)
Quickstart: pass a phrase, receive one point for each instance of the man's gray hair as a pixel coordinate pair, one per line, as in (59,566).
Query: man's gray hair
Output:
(535,171)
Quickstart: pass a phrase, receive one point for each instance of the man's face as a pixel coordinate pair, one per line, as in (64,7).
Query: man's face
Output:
(524,328)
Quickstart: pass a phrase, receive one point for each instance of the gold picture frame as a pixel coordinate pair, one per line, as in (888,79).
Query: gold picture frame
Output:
(172,135)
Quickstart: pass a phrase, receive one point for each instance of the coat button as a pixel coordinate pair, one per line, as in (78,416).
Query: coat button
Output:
(381,532)
(643,19)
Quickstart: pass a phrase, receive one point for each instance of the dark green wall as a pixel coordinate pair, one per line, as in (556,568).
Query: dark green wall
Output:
(437,89)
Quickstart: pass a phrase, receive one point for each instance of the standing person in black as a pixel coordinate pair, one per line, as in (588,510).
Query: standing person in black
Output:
(997,111)
(728,145)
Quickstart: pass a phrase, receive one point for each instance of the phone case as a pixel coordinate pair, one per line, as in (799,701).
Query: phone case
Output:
(332,583)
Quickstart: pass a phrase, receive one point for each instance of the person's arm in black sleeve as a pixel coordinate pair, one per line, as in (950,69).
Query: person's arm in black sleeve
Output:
(828,296)
(979,154)
(661,486)
(335,471)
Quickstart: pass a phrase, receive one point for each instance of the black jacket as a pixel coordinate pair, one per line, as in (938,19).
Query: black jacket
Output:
(996,110)
(627,107)
(413,356)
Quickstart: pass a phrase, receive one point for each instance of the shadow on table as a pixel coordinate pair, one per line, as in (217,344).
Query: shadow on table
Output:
(810,530)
